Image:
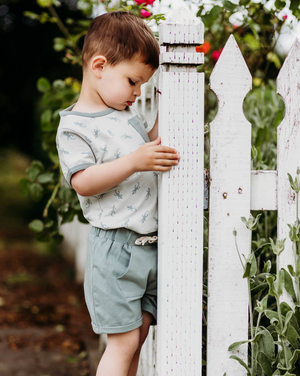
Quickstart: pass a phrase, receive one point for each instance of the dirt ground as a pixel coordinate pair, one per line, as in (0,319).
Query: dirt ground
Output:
(45,328)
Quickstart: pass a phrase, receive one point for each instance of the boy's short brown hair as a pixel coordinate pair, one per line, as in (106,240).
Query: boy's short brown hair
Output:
(120,36)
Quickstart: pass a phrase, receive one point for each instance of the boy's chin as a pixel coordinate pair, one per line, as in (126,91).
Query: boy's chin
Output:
(120,107)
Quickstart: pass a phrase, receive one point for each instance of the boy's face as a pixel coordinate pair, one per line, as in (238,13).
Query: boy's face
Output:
(120,85)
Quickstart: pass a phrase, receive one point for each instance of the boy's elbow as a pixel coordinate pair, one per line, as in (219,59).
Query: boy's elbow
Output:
(78,185)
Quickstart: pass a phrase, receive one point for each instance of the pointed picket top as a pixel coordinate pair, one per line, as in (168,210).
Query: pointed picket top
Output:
(289,75)
(182,16)
(231,76)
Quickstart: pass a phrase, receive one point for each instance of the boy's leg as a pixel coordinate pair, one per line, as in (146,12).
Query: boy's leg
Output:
(144,329)
(118,354)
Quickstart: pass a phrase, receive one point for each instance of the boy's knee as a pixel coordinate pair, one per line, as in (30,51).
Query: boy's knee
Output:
(127,342)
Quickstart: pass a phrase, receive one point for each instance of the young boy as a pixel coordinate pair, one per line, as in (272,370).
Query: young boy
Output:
(112,163)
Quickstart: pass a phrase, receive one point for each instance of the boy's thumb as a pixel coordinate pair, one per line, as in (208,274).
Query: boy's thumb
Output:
(157,141)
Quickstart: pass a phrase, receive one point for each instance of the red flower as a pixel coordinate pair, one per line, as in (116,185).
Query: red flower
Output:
(204,48)
(145,14)
(285,17)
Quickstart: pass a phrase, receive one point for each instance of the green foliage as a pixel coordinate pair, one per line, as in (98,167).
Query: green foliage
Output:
(275,347)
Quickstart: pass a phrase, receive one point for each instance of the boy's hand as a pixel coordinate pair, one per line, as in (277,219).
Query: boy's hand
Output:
(154,157)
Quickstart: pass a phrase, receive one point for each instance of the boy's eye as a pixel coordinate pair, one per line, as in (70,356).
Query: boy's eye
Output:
(131,82)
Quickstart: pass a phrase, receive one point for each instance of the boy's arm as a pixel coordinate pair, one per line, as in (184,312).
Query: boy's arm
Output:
(100,178)
(153,134)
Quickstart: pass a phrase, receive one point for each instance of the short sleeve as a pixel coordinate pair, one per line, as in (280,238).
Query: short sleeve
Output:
(75,153)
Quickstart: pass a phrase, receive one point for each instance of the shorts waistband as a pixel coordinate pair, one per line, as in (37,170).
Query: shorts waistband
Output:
(120,235)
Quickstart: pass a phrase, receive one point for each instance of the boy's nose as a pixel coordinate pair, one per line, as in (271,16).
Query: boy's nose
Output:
(137,92)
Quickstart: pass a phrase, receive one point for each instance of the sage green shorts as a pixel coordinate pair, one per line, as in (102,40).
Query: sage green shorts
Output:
(120,280)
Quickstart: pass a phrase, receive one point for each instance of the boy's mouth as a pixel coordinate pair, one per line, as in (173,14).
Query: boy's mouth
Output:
(129,103)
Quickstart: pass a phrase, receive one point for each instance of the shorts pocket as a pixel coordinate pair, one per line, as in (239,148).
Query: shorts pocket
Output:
(133,282)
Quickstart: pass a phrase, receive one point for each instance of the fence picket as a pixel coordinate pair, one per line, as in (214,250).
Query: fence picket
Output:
(288,146)
(230,161)
(180,247)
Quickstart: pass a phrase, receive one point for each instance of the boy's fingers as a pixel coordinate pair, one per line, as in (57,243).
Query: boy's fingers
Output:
(162,168)
(167,156)
(165,149)
(166,162)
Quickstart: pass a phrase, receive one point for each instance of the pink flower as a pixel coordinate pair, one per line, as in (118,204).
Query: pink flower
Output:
(145,14)
(146,2)
(215,55)
(285,17)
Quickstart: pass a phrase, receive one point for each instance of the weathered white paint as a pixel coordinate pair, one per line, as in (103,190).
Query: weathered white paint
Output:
(148,355)
(288,150)
(230,161)
(263,190)
(180,247)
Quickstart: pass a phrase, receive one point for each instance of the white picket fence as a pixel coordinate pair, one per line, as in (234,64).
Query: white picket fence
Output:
(174,348)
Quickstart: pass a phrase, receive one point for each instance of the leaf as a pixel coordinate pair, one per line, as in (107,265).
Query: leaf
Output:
(241,363)
(288,284)
(266,344)
(253,268)
(267,266)
(59,44)
(236,345)
(279,283)
(44,3)
(285,308)
(47,177)
(280,4)
(271,314)
(34,170)
(272,291)
(259,288)
(43,85)
(265,364)
(294,359)
(36,225)
(229,5)
(291,270)
(252,42)
(244,2)
(215,11)
(36,192)
(273,57)
(24,186)
(262,305)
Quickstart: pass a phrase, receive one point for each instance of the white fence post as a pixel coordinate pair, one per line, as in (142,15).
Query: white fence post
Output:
(230,163)
(288,151)
(180,248)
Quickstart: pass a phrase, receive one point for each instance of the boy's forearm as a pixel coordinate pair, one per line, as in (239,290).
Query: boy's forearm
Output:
(153,134)
(100,178)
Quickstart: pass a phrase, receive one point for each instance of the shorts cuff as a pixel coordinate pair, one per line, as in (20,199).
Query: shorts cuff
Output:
(149,308)
(117,329)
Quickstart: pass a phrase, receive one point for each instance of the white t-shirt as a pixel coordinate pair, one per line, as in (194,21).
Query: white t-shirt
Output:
(85,140)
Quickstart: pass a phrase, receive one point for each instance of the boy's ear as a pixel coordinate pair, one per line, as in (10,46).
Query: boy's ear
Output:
(97,65)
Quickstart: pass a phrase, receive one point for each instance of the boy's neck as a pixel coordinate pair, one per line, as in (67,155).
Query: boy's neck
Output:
(88,100)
